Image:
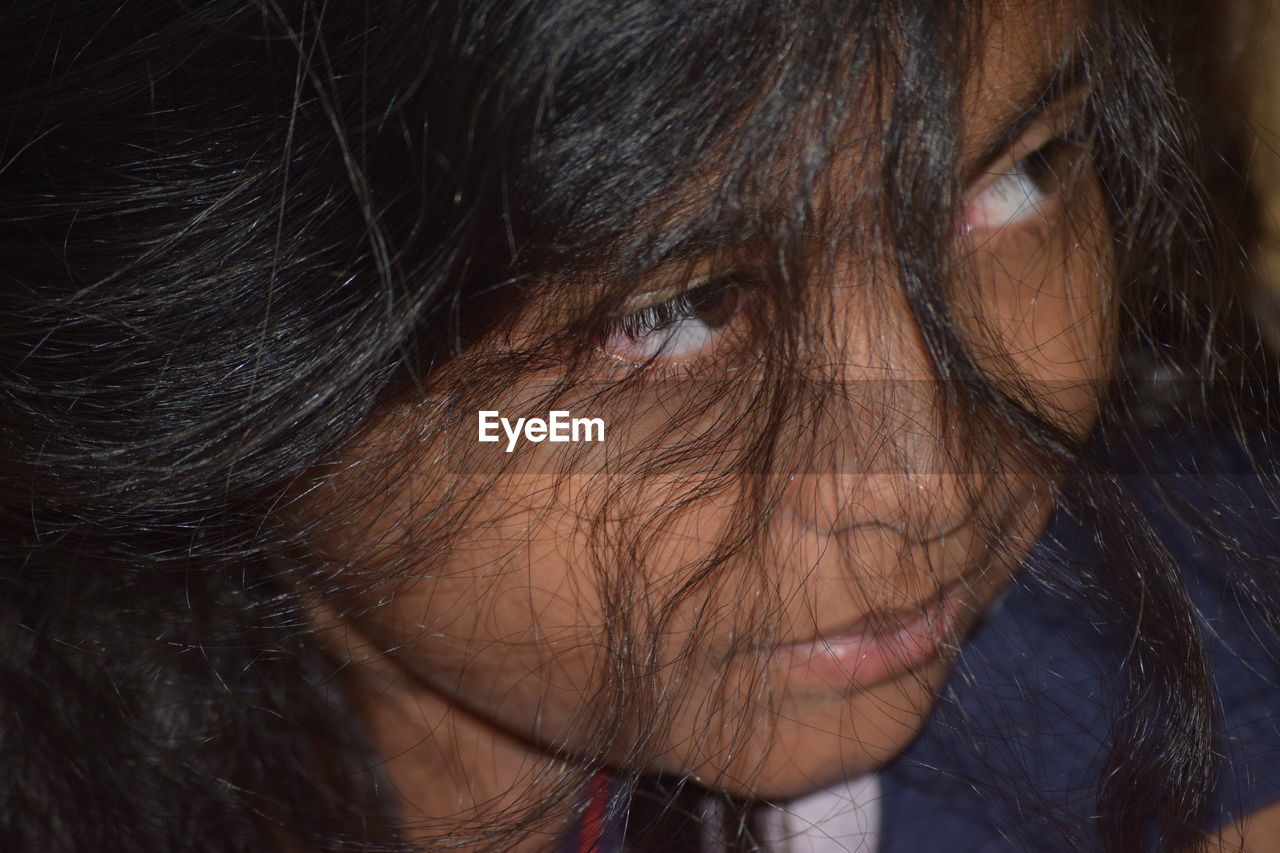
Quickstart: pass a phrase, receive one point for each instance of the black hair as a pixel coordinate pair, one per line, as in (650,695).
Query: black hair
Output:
(234,234)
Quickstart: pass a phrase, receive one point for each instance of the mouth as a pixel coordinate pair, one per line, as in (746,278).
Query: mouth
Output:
(877,647)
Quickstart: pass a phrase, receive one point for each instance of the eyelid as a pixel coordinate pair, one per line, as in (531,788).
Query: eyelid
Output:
(1054,121)
(649,298)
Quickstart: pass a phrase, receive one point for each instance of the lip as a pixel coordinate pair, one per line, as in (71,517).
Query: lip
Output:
(876,648)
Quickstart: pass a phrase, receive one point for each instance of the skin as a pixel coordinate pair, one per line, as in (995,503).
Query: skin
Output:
(1256,833)
(481,669)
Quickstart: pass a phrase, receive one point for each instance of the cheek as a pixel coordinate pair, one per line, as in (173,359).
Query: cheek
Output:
(1038,311)
(511,623)
(509,619)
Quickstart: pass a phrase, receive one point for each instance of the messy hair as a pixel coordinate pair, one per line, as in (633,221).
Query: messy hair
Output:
(236,234)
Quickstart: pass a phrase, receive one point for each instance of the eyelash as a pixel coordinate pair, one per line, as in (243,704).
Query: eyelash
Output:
(715,305)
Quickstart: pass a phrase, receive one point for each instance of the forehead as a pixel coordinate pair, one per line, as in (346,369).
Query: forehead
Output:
(1024,54)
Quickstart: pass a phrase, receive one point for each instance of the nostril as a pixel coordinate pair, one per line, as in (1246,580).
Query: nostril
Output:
(885,454)
(919,507)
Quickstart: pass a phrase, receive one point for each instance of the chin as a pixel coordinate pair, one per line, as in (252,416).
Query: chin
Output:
(810,740)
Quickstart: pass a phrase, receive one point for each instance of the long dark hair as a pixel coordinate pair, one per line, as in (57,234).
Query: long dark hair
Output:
(231,233)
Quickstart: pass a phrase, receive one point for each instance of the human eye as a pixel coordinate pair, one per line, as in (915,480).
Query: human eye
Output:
(1023,187)
(679,327)
(1026,192)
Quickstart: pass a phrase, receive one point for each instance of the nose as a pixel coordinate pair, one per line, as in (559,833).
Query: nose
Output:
(881,448)
(881,457)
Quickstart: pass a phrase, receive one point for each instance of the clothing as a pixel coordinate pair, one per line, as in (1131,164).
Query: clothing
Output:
(843,818)
(1011,757)
(1024,714)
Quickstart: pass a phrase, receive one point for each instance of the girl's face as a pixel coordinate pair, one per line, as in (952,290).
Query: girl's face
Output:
(817,650)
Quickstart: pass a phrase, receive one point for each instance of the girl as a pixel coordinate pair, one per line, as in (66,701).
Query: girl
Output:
(562,424)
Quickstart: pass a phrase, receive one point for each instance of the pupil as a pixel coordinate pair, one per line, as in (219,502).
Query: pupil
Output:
(1039,167)
(715,305)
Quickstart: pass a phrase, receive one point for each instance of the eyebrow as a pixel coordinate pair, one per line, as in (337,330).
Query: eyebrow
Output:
(1054,86)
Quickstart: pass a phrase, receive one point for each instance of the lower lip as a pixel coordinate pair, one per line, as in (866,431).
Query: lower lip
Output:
(864,660)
